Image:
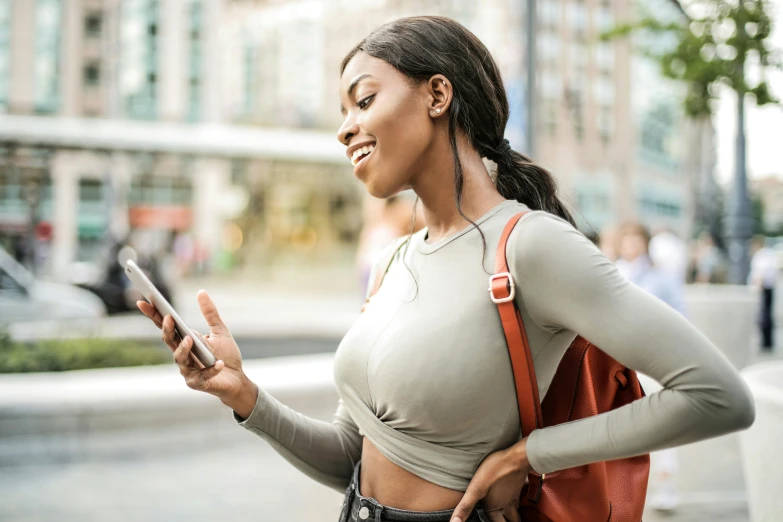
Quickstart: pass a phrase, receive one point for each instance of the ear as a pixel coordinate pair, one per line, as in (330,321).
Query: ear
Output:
(440,94)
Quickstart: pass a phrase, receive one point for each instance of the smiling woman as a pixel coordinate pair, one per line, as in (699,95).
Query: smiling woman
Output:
(428,427)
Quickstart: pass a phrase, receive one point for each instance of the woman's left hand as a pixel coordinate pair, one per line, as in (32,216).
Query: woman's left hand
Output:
(498,482)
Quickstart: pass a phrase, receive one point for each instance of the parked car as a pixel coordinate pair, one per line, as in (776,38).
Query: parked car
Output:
(25,298)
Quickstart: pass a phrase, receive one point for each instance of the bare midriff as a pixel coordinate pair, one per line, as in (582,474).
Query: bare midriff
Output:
(398,488)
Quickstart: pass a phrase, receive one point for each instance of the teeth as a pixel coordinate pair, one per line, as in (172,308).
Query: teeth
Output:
(360,152)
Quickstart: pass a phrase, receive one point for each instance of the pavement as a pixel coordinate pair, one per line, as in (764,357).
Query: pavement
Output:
(309,302)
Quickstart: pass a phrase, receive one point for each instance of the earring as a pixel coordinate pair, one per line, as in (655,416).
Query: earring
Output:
(444,82)
(437,110)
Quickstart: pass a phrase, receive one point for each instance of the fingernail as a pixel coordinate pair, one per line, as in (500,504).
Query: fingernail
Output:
(456,519)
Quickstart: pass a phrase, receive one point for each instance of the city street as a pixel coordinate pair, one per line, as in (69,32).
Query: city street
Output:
(241,478)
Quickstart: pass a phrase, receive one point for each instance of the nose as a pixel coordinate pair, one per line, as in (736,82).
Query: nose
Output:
(347,130)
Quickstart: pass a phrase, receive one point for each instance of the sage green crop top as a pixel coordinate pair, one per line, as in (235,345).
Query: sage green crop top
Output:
(424,372)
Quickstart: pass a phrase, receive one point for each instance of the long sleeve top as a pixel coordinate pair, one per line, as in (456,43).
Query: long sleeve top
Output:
(424,372)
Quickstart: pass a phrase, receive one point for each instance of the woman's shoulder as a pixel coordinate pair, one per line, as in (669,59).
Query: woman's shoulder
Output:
(541,234)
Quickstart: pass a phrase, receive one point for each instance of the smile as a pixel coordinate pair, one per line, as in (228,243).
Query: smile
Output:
(361,154)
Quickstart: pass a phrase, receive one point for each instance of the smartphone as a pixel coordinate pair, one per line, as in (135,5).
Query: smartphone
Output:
(156,299)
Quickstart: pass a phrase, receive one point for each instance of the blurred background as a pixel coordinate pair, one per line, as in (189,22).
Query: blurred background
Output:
(202,133)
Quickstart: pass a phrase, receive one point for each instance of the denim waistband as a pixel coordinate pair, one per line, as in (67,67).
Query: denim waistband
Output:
(358,508)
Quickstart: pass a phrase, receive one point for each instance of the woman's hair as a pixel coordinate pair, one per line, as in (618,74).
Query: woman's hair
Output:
(421,47)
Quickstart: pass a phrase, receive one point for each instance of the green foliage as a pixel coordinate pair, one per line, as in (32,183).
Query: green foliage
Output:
(712,49)
(76,354)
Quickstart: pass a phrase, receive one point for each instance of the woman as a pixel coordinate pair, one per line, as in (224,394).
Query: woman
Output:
(427,427)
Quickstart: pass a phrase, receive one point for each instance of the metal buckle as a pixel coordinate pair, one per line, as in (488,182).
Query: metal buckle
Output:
(511,295)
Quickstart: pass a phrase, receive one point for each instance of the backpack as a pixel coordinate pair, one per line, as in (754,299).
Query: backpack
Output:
(587,382)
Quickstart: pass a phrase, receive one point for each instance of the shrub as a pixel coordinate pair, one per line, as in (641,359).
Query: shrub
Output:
(77,354)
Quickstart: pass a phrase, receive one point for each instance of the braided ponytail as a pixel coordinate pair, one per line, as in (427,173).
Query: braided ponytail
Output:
(520,179)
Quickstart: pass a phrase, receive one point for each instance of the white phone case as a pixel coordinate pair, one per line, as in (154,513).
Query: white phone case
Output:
(153,295)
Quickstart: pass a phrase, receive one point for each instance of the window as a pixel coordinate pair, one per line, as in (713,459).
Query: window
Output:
(604,90)
(603,20)
(578,55)
(604,56)
(47,55)
(139,58)
(575,102)
(549,47)
(90,190)
(549,13)
(549,116)
(92,74)
(250,77)
(551,85)
(161,190)
(195,15)
(238,172)
(5,51)
(605,123)
(93,23)
(578,16)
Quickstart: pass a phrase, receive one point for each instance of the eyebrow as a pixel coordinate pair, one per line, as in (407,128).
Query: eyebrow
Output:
(353,85)
(356,81)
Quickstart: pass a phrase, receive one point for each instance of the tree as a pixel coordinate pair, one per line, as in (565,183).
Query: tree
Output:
(712,48)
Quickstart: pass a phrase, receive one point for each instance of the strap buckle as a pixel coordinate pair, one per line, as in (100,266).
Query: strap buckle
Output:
(511,285)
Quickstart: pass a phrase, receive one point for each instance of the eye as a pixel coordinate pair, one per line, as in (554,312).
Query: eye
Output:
(364,102)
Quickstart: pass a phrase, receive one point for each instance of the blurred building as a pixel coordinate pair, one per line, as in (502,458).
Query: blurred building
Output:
(608,124)
(218,117)
(611,126)
(115,121)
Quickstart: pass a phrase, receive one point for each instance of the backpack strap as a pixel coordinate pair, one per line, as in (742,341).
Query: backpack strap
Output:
(502,290)
(382,273)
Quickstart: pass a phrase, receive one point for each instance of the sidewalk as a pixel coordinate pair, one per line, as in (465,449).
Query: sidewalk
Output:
(303,302)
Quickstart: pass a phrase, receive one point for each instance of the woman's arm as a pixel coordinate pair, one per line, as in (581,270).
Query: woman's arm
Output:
(566,283)
(326,452)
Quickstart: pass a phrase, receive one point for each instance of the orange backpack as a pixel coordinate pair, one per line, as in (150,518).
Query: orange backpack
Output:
(587,382)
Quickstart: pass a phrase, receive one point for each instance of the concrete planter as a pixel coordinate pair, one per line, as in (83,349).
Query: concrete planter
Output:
(726,314)
(762,451)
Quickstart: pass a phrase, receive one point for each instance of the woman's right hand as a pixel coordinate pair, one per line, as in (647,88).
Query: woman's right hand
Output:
(225,379)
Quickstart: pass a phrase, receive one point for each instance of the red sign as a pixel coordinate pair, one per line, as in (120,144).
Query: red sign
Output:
(166,217)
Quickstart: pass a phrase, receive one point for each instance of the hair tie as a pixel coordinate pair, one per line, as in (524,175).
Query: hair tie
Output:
(504,147)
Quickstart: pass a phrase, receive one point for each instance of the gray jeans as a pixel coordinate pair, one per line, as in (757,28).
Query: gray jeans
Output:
(357,508)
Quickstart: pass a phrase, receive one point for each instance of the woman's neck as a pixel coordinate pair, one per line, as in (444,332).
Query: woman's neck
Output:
(479,194)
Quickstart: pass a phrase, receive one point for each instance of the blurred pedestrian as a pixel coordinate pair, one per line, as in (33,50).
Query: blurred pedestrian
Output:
(764,275)
(635,263)
(708,259)
(670,254)
(607,242)
(385,221)
(428,417)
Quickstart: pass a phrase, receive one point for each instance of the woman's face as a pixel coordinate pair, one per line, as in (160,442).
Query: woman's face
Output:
(388,116)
